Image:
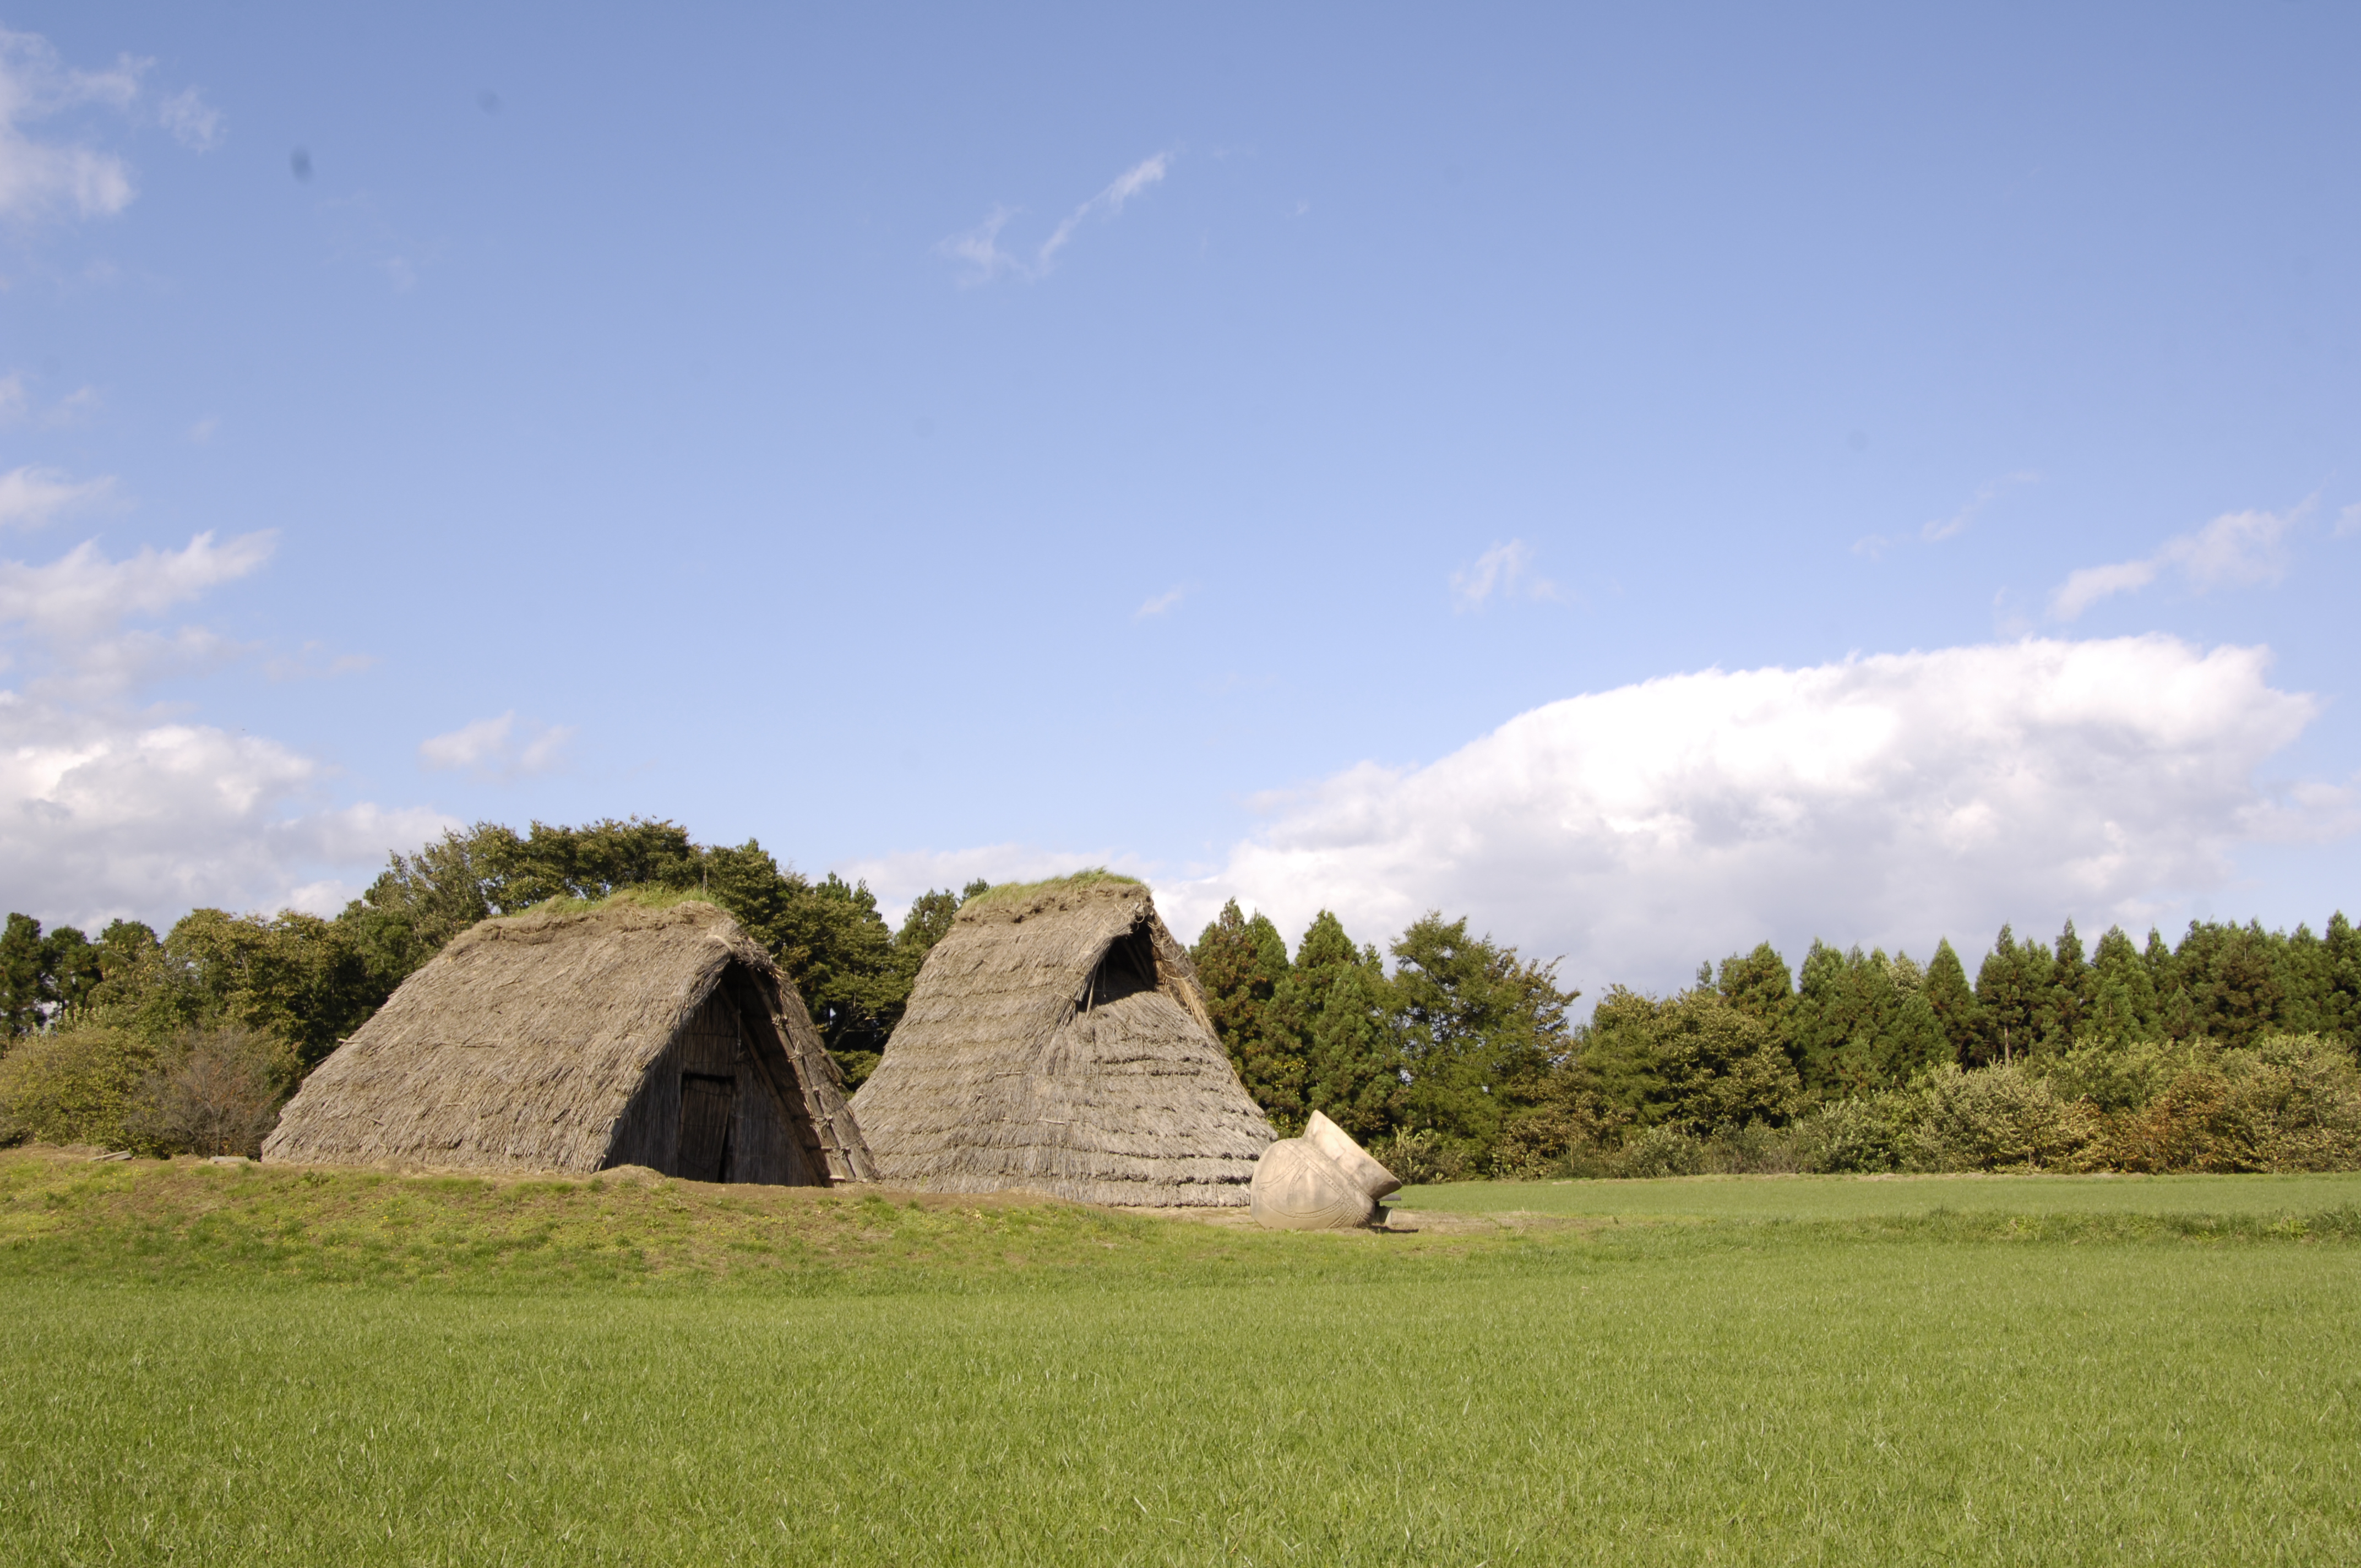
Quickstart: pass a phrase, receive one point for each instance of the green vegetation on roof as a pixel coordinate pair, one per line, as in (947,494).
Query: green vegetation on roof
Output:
(643,895)
(1084,878)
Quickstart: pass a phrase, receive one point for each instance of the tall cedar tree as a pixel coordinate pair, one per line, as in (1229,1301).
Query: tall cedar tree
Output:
(2067,1005)
(1337,1006)
(1240,964)
(1952,1001)
(1863,1024)
(2122,991)
(24,987)
(2012,985)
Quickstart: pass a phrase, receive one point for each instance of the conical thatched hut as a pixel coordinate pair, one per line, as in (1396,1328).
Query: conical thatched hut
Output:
(1057,1040)
(623,1034)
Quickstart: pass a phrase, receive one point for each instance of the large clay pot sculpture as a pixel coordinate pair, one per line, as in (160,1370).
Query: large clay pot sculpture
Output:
(1321,1181)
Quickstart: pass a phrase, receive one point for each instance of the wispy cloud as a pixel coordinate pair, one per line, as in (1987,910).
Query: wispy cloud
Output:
(83,593)
(1161,602)
(1942,527)
(2239,549)
(38,178)
(2348,521)
(497,748)
(313,662)
(194,124)
(78,407)
(1937,529)
(30,497)
(987,259)
(1503,572)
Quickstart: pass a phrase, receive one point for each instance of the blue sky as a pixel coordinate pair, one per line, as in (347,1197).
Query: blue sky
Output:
(948,443)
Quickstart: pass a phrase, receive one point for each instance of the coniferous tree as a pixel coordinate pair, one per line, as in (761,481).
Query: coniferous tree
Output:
(2008,997)
(1240,963)
(2122,993)
(2341,1012)
(1952,1001)
(2067,1002)
(1336,1003)
(1864,1023)
(24,988)
(2235,984)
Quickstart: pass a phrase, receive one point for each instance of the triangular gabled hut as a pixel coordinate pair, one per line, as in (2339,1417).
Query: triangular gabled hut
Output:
(623,1034)
(1057,1040)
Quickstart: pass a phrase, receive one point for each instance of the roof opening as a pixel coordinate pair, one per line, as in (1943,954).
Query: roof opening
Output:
(1127,969)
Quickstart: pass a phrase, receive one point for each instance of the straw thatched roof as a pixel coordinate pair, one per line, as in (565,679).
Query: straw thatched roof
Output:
(617,1034)
(1056,1040)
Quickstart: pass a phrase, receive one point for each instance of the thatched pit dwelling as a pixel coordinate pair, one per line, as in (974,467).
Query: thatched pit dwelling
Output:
(622,1034)
(1057,1040)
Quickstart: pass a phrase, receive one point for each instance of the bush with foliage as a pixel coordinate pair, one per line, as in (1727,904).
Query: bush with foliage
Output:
(76,1086)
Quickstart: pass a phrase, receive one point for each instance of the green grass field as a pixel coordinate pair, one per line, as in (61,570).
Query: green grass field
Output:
(229,1366)
(1863,1198)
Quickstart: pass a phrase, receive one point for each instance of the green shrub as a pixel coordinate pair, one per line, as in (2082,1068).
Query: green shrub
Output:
(204,1092)
(2117,1075)
(2288,1102)
(1422,1156)
(1661,1151)
(2003,1118)
(78,1086)
(1876,1133)
(1754,1149)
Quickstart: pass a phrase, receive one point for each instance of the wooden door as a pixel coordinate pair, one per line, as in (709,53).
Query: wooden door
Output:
(709,1115)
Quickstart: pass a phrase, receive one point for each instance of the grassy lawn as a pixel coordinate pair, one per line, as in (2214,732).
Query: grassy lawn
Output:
(220,1366)
(1868,1196)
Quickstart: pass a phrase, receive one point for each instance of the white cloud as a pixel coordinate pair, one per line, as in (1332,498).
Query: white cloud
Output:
(102,816)
(39,177)
(14,398)
(82,595)
(1160,603)
(2239,549)
(30,497)
(1505,571)
(2087,587)
(2349,521)
(1890,800)
(108,810)
(979,246)
(194,123)
(497,748)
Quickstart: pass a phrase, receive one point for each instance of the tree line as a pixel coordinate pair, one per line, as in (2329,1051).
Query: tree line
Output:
(1460,1055)
(1463,1060)
(222,1014)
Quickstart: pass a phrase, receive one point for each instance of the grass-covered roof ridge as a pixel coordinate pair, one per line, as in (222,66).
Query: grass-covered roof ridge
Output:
(1089,876)
(639,895)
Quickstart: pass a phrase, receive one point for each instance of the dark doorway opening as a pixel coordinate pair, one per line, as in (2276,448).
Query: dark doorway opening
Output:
(709,1115)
